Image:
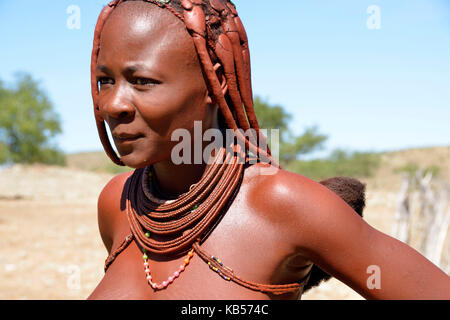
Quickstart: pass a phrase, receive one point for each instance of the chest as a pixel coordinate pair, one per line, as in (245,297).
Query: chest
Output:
(244,240)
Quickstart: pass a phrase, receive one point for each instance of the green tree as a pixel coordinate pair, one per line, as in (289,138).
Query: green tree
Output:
(28,124)
(338,163)
(291,146)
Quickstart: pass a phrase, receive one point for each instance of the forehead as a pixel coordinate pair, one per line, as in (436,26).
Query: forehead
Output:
(139,30)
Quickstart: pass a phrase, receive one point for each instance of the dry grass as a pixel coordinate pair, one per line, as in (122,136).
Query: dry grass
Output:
(387,179)
(49,228)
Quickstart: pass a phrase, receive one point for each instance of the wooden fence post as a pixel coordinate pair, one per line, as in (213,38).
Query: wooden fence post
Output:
(401,228)
(433,216)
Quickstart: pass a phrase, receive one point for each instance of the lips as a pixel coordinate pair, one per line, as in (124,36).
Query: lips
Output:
(126,137)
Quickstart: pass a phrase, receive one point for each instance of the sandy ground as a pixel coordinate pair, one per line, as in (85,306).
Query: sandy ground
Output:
(50,246)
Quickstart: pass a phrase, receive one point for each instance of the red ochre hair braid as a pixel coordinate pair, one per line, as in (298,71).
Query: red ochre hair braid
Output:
(219,37)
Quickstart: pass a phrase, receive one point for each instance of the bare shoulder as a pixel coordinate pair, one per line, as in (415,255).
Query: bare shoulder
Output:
(280,182)
(286,189)
(301,205)
(113,188)
(108,207)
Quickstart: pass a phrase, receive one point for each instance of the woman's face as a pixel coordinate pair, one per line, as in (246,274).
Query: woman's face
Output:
(150,81)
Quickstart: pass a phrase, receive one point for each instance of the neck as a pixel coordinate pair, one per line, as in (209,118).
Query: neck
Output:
(174,180)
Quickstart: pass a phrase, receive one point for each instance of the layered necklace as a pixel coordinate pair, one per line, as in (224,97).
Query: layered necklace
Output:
(173,226)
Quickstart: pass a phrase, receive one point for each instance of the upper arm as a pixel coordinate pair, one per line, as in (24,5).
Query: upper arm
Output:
(332,235)
(108,208)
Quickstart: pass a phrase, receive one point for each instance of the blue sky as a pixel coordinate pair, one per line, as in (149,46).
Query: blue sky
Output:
(369,90)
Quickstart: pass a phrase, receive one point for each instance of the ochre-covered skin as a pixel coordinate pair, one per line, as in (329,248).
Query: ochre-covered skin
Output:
(157,75)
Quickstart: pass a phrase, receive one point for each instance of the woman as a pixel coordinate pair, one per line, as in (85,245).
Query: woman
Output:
(173,229)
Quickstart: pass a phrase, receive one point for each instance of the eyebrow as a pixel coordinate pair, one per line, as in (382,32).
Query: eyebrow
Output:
(102,68)
(128,69)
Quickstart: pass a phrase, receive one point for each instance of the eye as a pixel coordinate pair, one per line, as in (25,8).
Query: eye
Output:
(104,81)
(143,81)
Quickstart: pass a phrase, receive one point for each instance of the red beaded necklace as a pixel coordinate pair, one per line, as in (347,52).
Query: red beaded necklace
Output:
(181,222)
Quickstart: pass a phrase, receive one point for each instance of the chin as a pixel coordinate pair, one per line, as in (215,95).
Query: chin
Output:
(141,155)
(134,162)
(137,160)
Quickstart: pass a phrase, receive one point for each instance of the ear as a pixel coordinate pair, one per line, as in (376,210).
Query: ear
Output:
(209,99)
(224,86)
(221,75)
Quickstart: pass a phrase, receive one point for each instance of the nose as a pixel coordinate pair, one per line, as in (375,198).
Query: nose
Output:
(117,105)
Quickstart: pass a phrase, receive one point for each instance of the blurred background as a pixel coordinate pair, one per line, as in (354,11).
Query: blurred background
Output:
(358,88)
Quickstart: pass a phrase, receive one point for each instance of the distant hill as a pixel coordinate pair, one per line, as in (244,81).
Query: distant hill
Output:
(386,176)
(94,161)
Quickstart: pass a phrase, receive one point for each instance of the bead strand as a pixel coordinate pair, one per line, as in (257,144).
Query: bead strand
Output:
(217,270)
(170,280)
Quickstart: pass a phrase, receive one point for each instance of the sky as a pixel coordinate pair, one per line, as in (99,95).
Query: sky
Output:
(371,75)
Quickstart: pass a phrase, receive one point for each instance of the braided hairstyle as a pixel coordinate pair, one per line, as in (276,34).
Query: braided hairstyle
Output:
(222,47)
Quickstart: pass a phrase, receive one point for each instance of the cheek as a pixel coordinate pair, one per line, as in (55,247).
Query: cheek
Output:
(163,112)
(168,110)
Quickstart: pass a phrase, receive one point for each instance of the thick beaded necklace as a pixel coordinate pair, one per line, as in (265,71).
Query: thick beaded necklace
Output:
(180,223)
(186,261)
